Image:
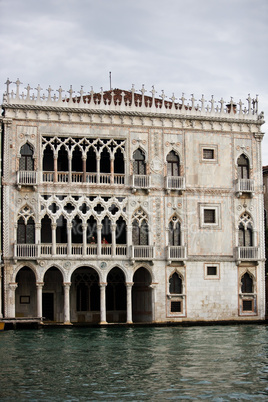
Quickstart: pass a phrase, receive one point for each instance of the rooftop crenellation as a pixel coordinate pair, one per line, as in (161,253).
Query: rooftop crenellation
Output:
(129,101)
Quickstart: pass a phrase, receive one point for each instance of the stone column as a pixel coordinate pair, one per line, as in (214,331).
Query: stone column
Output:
(129,239)
(38,237)
(84,159)
(53,229)
(99,227)
(55,178)
(98,169)
(254,239)
(112,170)
(84,226)
(39,288)
(70,168)
(67,286)
(12,300)
(69,238)
(129,302)
(153,287)
(103,303)
(113,227)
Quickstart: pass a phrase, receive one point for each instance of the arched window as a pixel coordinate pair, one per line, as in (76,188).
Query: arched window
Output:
(105,165)
(139,165)
(63,164)
(119,163)
(48,159)
(46,232)
(26,158)
(243,167)
(77,164)
(245,234)
(140,228)
(174,232)
(173,164)
(26,231)
(175,284)
(246,283)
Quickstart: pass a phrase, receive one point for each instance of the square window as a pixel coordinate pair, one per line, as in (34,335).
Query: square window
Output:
(247,305)
(175,307)
(209,216)
(208,153)
(211,270)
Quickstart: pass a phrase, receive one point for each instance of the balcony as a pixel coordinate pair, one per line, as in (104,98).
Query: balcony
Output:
(34,251)
(142,182)
(247,254)
(244,186)
(26,178)
(142,253)
(174,183)
(91,178)
(176,253)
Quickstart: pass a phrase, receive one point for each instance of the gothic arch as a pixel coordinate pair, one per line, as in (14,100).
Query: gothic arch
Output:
(59,267)
(85,265)
(146,266)
(28,265)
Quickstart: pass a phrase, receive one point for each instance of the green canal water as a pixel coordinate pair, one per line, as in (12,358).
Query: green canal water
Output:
(212,363)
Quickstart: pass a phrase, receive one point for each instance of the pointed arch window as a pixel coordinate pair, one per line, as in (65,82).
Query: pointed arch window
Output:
(246,283)
(173,164)
(140,229)
(243,167)
(175,284)
(245,234)
(26,231)
(139,164)
(26,158)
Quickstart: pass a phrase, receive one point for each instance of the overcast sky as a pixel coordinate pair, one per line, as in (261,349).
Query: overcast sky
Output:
(210,47)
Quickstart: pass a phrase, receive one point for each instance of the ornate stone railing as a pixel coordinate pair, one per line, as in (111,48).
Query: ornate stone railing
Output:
(130,101)
(26,251)
(141,181)
(247,253)
(175,183)
(26,177)
(142,252)
(244,186)
(176,253)
(90,178)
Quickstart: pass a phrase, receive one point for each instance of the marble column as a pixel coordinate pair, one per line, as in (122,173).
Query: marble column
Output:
(113,227)
(39,288)
(67,286)
(98,169)
(84,227)
(129,302)
(99,227)
(103,303)
(69,238)
(12,300)
(55,178)
(53,230)
(84,159)
(112,170)
(153,287)
(70,168)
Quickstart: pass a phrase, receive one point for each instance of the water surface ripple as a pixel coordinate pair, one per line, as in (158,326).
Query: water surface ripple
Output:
(214,363)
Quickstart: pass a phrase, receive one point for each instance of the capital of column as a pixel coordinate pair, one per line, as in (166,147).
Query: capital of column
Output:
(103,284)
(84,226)
(39,284)
(153,285)
(69,225)
(13,286)
(38,226)
(99,226)
(53,226)
(113,226)
(129,284)
(67,284)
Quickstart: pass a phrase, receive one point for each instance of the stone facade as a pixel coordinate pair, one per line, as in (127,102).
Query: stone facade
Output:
(121,207)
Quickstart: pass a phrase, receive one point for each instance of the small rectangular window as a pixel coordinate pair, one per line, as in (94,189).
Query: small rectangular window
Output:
(212,271)
(208,153)
(175,307)
(24,299)
(209,216)
(247,305)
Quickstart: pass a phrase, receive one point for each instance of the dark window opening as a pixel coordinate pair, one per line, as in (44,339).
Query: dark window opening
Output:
(121,237)
(92,230)
(175,284)
(247,283)
(115,290)
(208,153)
(77,230)
(175,307)
(139,165)
(62,162)
(173,164)
(46,232)
(106,234)
(119,163)
(86,281)
(26,232)
(140,233)
(245,236)
(77,162)
(211,270)
(209,216)
(61,231)
(243,167)
(247,305)
(48,160)
(105,165)
(26,158)
(174,234)
(91,165)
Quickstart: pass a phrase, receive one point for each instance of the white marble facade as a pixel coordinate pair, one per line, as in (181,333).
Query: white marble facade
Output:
(120,207)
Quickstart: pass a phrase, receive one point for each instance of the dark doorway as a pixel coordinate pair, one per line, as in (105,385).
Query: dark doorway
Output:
(48,306)
(142,296)
(116,303)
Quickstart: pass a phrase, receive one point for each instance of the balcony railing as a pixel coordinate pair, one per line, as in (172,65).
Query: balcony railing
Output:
(31,251)
(247,253)
(79,177)
(26,177)
(176,253)
(141,181)
(175,183)
(244,186)
(142,252)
